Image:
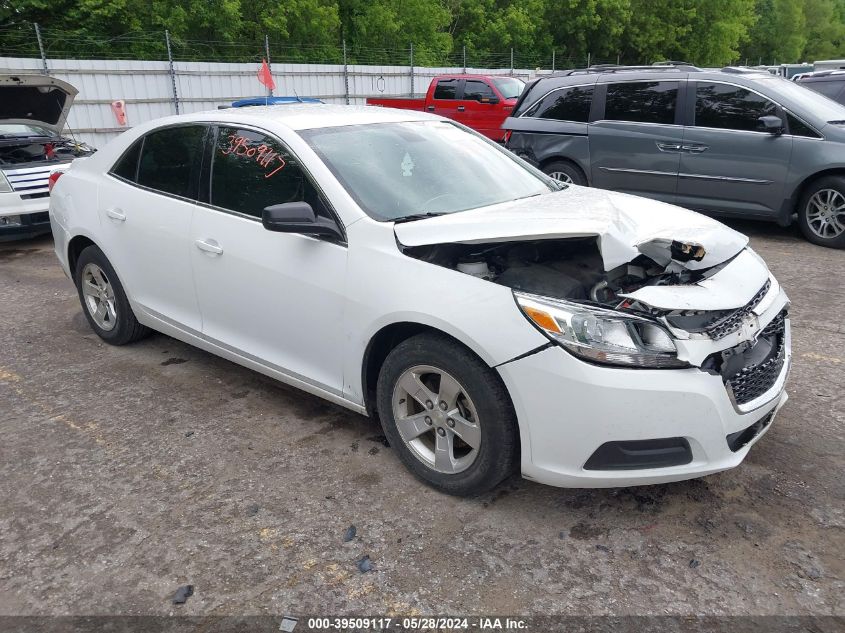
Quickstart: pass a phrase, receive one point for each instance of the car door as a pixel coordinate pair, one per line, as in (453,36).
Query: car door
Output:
(482,111)
(727,163)
(635,139)
(444,101)
(145,208)
(274,298)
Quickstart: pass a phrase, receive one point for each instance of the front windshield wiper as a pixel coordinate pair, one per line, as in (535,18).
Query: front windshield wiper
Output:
(418,216)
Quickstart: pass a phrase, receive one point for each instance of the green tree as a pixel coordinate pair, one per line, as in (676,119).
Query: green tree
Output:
(780,32)
(825,21)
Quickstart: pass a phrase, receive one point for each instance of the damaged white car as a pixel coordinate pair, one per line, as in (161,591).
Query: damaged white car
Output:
(33,110)
(404,267)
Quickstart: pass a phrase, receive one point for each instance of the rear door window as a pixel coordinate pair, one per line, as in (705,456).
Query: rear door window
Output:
(251,170)
(127,166)
(642,101)
(730,107)
(565,104)
(170,160)
(475,90)
(446,89)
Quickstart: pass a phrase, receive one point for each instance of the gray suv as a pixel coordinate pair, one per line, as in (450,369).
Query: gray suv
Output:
(731,141)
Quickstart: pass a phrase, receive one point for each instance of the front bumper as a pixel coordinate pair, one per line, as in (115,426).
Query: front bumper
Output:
(568,408)
(32,214)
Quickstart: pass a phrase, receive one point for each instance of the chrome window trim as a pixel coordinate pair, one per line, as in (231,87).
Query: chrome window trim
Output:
(648,172)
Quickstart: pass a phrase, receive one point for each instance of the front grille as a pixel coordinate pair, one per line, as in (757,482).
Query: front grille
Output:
(754,380)
(732,322)
(29,181)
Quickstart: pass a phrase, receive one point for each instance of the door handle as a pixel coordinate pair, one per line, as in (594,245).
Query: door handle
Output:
(116,214)
(209,247)
(461,108)
(695,149)
(669,147)
(430,108)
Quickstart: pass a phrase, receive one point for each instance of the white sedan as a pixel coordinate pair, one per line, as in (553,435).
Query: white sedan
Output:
(402,266)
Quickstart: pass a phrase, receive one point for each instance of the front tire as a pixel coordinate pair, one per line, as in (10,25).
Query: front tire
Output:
(448,415)
(821,212)
(103,300)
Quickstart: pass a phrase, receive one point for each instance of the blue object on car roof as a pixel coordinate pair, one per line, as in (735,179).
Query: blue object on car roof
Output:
(260,101)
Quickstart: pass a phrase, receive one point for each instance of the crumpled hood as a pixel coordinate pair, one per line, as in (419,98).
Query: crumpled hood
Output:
(626,226)
(35,99)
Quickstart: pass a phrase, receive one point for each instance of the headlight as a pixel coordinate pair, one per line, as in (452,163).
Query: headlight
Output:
(601,335)
(5,187)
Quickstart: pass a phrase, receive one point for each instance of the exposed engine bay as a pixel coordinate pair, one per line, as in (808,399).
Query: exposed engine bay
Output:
(567,269)
(57,149)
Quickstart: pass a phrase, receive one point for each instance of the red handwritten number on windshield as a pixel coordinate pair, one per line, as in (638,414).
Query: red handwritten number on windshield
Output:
(261,154)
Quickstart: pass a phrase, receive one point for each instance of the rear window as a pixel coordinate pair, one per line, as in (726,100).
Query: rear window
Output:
(564,104)
(642,102)
(446,89)
(170,159)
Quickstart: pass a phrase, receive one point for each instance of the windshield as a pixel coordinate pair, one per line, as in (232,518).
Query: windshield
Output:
(819,105)
(395,170)
(12,130)
(510,87)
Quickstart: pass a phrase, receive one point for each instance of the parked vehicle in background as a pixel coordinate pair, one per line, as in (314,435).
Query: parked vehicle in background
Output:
(268,100)
(830,83)
(33,110)
(481,102)
(829,64)
(733,142)
(398,264)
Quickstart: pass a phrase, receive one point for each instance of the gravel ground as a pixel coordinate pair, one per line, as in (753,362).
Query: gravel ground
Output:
(127,472)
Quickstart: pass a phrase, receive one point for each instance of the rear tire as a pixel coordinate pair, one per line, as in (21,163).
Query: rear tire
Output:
(821,212)
(103,300)
(458,427)
(566,172)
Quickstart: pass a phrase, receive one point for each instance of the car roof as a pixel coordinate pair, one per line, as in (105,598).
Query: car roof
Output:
(306,116)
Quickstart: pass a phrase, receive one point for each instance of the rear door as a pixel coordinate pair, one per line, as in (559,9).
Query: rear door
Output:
(636,136)
(727,164)
(482,109)
(444,100)
(146,206)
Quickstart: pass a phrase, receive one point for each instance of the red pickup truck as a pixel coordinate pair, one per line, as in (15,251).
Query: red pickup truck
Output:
(481,102)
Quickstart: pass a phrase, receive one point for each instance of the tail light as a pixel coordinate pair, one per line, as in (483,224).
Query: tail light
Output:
(53,179)
(507,136)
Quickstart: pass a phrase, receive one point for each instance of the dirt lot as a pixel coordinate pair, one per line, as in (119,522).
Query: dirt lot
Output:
(127,472)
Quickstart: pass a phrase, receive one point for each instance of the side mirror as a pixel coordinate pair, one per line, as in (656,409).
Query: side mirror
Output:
(771,124)
(298,217)
(489,100)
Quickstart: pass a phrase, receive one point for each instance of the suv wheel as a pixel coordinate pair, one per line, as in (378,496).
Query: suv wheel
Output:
(103,300)
(567,172)
(821,212)
(447,415)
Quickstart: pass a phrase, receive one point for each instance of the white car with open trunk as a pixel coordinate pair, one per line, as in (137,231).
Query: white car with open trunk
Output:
(400,265)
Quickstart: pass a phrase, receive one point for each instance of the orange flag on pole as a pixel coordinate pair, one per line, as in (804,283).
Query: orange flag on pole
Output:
(264,75)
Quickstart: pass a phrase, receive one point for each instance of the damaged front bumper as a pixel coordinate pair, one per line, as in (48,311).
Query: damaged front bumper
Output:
(587,425)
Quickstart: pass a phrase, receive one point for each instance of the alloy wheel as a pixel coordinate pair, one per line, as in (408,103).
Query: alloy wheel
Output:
(99,297)
(826,213)
(436,419)
(562,176)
